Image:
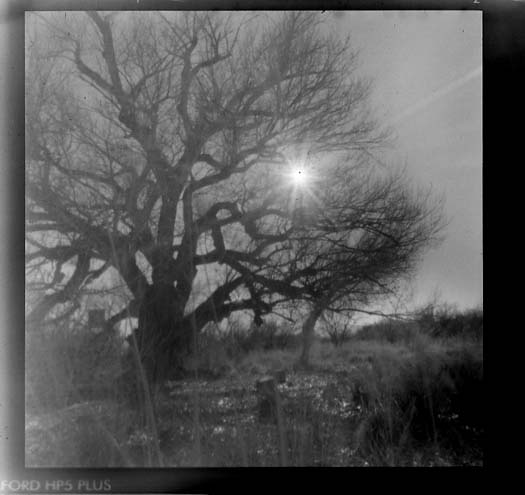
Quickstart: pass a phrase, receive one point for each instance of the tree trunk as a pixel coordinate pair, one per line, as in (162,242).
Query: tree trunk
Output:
(162,340)
(308,335)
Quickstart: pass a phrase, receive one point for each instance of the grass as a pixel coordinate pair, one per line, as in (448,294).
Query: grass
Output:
(371,401)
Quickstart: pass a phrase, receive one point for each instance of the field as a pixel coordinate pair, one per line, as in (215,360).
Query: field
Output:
(391,395)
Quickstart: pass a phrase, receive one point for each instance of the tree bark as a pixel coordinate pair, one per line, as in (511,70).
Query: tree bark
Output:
(308,334)
(162,338)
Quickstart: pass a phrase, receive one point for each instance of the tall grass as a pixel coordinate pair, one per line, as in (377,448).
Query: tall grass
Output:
(433,399)
(85,402)
(220,352)
(69,364)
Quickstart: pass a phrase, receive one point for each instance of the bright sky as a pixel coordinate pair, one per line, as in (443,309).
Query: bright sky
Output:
(426,68)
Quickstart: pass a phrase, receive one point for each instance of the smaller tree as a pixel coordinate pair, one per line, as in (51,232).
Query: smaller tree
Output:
(339,329)
(363,234)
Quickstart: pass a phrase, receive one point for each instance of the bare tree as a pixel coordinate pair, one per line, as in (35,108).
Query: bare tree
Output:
(158,147)
(339,329)
(363,235)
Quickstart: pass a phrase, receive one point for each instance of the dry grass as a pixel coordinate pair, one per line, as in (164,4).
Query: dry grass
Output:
(366,402)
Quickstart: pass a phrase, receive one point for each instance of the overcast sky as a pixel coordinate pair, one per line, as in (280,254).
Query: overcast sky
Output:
(426,68)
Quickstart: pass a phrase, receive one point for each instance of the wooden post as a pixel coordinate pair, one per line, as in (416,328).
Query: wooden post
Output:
(270,408)
(96,319)
(280,376)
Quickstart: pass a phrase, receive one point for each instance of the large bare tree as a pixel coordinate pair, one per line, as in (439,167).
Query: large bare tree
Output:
(160,147)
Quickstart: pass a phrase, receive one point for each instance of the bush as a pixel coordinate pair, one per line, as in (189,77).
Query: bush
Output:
(389,331)
(434,398)
(268,336)
(338,330)
(219,352)
(69,364)
(88,434)
(446,322)
(211,357)
(439,322)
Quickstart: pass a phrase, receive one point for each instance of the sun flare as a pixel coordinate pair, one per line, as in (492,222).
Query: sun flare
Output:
(299,177)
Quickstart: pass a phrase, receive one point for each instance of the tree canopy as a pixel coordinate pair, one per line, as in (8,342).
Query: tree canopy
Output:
(165,148)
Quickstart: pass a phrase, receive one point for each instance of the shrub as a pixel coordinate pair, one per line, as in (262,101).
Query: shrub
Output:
(74,392)
(440,322)
(219,351)
(389,331)
(433,398)
(211,358)
(69,364)
(446,322)
(338,330)
(88,434)
(268,336)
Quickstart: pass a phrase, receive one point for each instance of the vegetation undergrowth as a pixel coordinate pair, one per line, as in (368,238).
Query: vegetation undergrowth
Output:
(408,396)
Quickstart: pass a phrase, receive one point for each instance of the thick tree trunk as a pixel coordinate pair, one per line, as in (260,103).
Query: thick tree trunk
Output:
(308,335)
(162,339)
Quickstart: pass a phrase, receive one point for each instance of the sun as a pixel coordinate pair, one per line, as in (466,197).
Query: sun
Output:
(300,182)
(299,177)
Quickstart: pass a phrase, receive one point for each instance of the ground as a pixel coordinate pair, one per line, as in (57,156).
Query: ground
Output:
(361,404)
